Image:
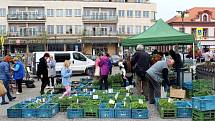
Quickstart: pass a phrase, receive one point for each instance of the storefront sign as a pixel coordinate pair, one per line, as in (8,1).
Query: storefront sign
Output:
(199,33)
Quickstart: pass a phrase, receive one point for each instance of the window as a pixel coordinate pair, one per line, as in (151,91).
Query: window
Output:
(59,12)
(137,14)
(78,29)
(145,14)
(69,29)
(153,15)
(138,29)
(205,32)
(77,12)
(181,29)
(2,29)
(50,29)
(68,12)
(13,29)
(61,57)
(50,12)
(193,31)
(121,29)
(2,12)
(121,13)
(139,1)
(59,29)
(205,18)
(78,56)
(129,13)
(129,29)
(145,28)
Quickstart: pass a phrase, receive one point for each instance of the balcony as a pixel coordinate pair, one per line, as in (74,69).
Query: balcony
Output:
(31,18)
(100,19)
(25,34)
(98,33)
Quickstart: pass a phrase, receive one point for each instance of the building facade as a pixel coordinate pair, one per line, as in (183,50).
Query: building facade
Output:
(199,17)
(90,26)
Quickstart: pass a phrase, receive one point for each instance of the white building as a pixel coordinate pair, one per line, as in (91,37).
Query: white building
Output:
(89,26)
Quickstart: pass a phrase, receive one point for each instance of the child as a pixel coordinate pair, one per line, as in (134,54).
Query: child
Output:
(66,80)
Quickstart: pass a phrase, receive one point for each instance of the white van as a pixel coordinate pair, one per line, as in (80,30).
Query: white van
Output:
(80,63)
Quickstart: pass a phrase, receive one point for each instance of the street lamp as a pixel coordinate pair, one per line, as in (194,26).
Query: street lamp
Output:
(182,15)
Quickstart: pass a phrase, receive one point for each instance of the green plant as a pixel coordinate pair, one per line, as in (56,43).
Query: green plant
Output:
(164,103)
(137,105)
(34,105)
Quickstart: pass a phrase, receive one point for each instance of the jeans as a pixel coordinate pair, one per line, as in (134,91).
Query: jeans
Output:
(6,84)
(52,81)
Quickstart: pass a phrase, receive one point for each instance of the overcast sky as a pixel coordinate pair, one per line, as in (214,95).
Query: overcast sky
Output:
(166,9)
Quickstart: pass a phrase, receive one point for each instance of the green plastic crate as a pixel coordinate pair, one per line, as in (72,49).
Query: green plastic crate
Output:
(203,115)
(167,113)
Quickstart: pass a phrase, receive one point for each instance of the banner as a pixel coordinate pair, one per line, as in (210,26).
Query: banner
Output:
(199,33)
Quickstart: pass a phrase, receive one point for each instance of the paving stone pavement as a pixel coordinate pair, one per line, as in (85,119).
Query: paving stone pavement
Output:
(33,92)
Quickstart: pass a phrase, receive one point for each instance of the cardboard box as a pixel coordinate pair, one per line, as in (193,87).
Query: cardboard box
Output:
(177,93)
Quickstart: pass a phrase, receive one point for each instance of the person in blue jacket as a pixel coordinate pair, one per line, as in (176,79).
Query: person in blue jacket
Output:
(5,77)
(18,74)
(66,73)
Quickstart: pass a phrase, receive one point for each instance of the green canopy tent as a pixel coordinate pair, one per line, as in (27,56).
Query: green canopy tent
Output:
(160,34)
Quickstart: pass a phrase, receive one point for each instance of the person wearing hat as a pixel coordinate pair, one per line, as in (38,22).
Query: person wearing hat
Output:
(157,75)
(5,77)
(42,72)
(18,74)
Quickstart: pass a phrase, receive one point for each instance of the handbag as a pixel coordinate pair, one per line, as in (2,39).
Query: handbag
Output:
(3,90)
(97,71)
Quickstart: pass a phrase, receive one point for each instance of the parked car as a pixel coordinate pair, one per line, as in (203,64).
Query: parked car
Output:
(92,57)
(115,60)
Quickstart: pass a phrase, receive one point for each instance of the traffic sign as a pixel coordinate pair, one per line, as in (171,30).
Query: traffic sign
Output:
(199,32)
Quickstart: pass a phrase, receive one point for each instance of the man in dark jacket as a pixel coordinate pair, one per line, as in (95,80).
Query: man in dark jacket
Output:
(42,72)
(140,63)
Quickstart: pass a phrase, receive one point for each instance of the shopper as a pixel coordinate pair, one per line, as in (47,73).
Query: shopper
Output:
(97,68)
(128,74)
(140,62)
(51,71)
(66,74)
(177,65)
(104,71)
(18,74)
(5,77)
(42,72)
(157,74)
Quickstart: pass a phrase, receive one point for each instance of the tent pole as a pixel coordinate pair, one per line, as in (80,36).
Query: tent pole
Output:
(182,70)
(194,64)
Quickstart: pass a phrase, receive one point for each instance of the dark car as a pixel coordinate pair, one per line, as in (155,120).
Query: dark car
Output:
(115,59)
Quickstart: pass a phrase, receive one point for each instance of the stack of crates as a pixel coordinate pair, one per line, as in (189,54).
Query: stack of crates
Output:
(168,110)
(202,87)
(188,86)
(203,108)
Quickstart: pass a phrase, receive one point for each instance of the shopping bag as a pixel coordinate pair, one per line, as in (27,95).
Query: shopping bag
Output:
(3,90)
(97,71)
(163,92)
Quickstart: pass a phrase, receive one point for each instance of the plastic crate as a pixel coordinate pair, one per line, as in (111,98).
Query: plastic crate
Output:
(47,110)
(204,103)
(140,113)
(15,111)
(167,113)
(184,109)
(188,85)
(105,112)
(75,113)
(29,113)
(122,112)
(203,115)
(91,112)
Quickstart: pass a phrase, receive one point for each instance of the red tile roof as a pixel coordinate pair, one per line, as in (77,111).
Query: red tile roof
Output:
(193,14)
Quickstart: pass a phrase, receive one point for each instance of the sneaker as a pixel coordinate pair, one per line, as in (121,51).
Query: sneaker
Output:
(12,98)
(3,103)
(47,87)
(18,93)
